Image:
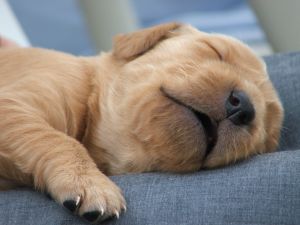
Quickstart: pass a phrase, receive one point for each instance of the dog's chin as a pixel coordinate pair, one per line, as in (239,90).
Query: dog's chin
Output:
(234,143)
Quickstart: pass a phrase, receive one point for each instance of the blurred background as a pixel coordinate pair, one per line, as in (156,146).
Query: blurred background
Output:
(85,27)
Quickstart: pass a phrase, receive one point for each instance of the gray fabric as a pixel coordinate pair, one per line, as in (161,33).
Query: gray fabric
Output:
(284,70)
(262,190)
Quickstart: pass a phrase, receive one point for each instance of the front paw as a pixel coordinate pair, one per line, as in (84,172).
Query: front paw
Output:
(94,197)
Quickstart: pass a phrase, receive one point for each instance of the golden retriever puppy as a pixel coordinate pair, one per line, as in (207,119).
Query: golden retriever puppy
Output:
(167,98)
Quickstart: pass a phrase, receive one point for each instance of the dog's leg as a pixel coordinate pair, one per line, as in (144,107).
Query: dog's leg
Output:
(57,163)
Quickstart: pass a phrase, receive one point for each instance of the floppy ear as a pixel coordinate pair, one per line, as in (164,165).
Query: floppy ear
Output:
(130,45)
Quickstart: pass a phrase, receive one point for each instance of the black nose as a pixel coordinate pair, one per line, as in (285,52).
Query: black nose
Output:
(239,108)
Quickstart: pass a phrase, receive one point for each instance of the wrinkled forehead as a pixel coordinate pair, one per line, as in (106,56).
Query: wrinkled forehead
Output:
(190,44)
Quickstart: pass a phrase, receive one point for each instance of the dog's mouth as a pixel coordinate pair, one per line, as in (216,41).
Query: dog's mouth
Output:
(209,125)
(210,129)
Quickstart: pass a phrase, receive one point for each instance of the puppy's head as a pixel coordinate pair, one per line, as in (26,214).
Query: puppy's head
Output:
(181,100)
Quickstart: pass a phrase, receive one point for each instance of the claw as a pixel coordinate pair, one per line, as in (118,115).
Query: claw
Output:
(117,214)
(102,211)
(77,200)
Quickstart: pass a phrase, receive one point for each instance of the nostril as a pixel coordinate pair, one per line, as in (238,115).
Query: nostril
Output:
(239,108)
(235,101)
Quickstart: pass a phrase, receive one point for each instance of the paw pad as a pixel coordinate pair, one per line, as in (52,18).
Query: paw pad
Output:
(91,216)
(71,204)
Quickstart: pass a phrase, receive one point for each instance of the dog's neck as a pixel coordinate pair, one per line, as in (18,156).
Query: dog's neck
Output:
(105,70)
(101,75)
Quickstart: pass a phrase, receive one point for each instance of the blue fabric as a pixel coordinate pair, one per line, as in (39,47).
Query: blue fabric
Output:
(231,17)
(60,25)
(261,190)
(155,9)
(284,71)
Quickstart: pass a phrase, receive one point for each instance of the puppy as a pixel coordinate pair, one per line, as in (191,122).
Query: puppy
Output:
(167,98)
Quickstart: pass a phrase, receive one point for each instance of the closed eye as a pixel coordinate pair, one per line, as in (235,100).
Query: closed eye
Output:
(220,56)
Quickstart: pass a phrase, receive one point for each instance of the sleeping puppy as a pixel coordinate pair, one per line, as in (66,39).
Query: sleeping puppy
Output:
(167,98)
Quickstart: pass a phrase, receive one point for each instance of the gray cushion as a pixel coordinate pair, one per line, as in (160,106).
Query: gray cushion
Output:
(284,70)
(261,190)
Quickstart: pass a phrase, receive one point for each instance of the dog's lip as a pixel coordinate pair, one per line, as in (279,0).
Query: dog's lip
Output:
(210,126)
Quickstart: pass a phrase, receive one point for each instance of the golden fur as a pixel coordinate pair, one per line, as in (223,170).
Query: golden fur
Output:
(66,121)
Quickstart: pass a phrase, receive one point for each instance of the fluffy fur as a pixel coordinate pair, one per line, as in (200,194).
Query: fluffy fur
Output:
(66,121)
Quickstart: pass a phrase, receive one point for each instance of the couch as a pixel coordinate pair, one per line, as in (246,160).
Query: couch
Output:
(264,189)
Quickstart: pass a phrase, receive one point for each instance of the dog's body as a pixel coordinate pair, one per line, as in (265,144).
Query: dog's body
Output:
(64,118)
